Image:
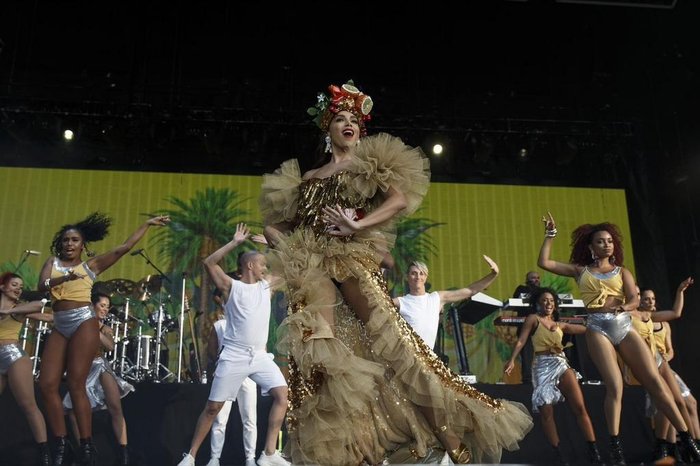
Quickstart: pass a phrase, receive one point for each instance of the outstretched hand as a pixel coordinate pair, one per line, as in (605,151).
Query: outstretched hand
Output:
(159,221)
(242,233)
(549,223)
(492,264)
(685,284)
(258,238)
(341,222)
(508,368)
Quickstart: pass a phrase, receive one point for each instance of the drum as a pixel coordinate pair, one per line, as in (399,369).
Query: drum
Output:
(167,322)
(140,351)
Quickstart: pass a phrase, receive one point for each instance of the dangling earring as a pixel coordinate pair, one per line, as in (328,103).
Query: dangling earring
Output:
(595,259)
(88,252)
(612,260)
(358,143)
(328,149)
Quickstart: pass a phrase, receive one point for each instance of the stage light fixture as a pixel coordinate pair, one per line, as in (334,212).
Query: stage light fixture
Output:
(68,135)
(437,149)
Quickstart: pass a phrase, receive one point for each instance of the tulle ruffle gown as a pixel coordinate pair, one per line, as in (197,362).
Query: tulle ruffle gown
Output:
(358,392)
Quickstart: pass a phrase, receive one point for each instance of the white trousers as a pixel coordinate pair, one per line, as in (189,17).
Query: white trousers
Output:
(247,407)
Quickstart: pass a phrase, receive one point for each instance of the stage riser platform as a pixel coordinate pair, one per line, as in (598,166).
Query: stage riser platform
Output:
(161,419)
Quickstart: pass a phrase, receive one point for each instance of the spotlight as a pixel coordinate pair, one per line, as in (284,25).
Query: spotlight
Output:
(68,135)
(437,149)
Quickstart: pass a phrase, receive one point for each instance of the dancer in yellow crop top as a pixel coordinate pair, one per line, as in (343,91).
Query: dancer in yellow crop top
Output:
(72,344)
(647,311)
(609,292)
(552,377)
(15,365)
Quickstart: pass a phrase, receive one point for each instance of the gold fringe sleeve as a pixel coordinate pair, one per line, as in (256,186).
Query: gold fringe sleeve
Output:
(383,161)
(280,193)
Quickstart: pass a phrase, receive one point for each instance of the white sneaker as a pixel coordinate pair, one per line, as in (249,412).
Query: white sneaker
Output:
(274,459)
(187,460)
(213,461)
(250,462)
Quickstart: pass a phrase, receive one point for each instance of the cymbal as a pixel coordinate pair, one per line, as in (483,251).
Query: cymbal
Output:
(116,287)
(32,295)
(147,286)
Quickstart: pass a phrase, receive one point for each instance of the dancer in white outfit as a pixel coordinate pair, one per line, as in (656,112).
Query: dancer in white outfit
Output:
(247,307)
(422,309)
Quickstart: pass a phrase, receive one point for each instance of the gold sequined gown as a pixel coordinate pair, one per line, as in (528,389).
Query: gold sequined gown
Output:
(357,391)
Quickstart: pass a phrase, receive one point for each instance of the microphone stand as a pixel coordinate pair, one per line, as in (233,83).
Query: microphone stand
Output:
(41,329)
(22,259)
(182,329)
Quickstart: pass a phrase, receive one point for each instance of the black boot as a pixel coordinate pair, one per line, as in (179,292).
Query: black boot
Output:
(88,454)
(677,452)
(690,446)
(123,455)
(561,459)
(593,453)
(44,454)
(61,451)
(661,450)
(617,456)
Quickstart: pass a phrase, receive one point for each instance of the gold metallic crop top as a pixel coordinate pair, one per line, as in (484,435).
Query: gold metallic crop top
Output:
(596,288)
(316,193)
(544,339)
(9,328)
(73,290)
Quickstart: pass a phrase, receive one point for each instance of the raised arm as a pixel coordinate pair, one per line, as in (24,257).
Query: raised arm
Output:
(453,296)
(544,261)
(525,332)
(678,303)
(104,261)
(211,263)
(394,202)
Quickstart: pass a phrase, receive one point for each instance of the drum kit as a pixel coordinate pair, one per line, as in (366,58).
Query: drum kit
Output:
(138,308)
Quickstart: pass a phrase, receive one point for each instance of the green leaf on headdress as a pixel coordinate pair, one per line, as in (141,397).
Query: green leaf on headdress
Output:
(313,111)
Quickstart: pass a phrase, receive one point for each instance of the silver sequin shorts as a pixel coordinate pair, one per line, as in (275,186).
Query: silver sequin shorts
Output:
(67,322)
(93,386)
(614,326)
(9,354)
(547,369)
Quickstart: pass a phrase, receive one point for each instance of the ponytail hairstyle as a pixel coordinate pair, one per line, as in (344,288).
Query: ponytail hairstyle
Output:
(94,227)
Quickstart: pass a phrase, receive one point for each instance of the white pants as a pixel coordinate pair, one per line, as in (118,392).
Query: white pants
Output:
(247,407)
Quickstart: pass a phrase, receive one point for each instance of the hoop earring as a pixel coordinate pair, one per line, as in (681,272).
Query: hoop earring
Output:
(88,252)
(612,260)
(328,149)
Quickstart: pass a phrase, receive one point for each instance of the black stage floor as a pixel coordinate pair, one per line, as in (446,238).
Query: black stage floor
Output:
(161,419)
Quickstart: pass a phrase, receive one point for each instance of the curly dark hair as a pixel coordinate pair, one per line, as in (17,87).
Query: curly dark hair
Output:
(94,227)
(583,235)
(535,297)
(7,276)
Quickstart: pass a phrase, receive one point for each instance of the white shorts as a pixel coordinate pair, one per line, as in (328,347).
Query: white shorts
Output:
(236,365)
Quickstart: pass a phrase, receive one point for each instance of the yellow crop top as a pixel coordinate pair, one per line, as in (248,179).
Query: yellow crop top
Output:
(544,339)
(660,339)
(73,290)
(597,288)
(9,328)
(646,331)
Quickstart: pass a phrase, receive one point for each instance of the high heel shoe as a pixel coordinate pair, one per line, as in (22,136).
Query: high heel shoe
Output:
(44,454)
(61,450)
(594,454)
(617,456)
(691,448)
(88,454)
(460,455)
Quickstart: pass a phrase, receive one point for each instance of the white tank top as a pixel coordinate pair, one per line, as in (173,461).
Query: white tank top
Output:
(247,314)
(423,314)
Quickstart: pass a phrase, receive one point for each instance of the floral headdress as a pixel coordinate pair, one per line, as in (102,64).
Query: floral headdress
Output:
(346,97)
